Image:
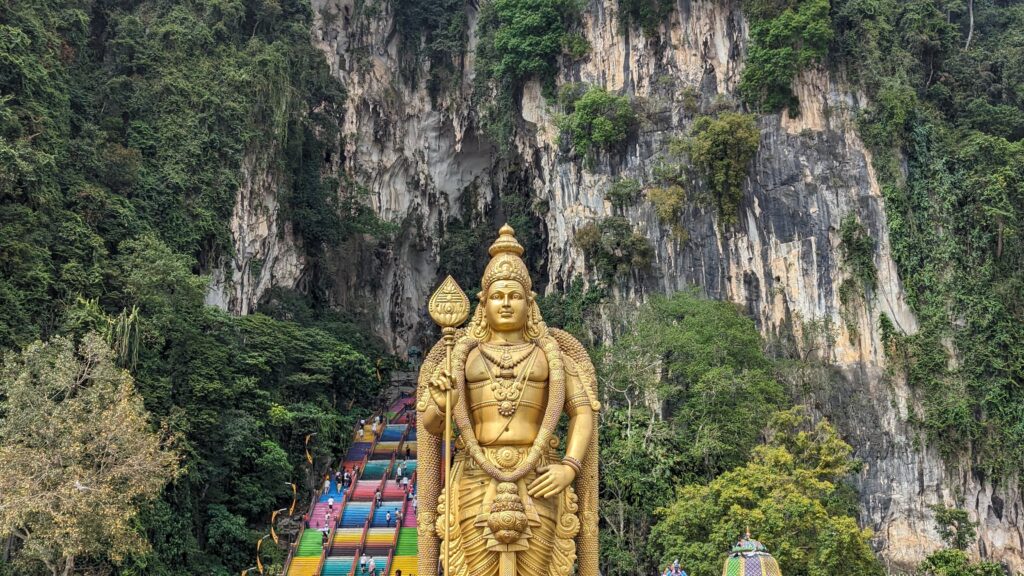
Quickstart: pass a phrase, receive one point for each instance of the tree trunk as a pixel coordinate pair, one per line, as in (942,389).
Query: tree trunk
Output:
(970,29)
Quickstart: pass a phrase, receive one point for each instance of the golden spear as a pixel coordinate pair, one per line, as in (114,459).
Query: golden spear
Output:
(449,307)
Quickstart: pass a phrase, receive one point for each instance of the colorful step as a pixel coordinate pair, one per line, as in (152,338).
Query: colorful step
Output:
(304,566)
(324,515)
(365,490)
(338,566)
(375,469)
(379,540)
(355,514)
(403,566)
(406,542)
(385,449)
(393,491)
(381,513)
(346,541)
(358,451)
(393,432)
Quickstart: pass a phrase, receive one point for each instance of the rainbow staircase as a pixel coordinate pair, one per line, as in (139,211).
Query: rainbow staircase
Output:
(356,525)
(307,554)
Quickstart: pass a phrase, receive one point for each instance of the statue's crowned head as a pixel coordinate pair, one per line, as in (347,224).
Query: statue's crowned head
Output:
(507,301)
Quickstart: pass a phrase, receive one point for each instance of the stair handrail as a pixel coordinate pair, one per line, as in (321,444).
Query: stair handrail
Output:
(291,552)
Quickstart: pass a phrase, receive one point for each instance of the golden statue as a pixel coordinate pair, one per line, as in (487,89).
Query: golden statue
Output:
(513,505)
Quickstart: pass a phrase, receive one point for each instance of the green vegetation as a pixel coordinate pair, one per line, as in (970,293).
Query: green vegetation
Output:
(613,249)
(572,310)
(519,40)
(73,424)
(624,192)
(686,392)
(465,240)
(597,121)
(123,130)
(959,533)
(786,37)
(669,202)
(945,127)
(858,250)
(721,149)
(786,495)
(435,32)
(648,15)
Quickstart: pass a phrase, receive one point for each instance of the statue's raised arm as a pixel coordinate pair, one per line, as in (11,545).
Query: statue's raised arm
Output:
(521,504)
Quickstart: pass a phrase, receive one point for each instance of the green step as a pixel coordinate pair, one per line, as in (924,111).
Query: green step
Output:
(311,543)
(406,542)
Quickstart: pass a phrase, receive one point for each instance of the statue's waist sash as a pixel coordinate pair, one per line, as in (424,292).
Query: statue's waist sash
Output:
(471,478)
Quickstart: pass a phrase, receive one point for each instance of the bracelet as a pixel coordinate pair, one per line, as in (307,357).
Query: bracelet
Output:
(573,463)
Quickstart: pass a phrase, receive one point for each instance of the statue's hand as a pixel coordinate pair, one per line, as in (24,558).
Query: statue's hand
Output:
(552,481)
(440,384)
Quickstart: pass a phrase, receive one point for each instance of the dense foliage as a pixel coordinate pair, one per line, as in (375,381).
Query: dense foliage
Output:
(786,36)
(648,15)
(721,149)
(597,121)
(519,40)
(685,392)
(945,126)
(958,532)
(614,249)
(123,130)
(74,437)
(433,32)
(787,495)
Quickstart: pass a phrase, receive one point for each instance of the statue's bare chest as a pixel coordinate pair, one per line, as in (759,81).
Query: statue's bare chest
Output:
(492,382)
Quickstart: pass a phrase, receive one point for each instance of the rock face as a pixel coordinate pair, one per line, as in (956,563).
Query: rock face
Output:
(267,253)
(781,261)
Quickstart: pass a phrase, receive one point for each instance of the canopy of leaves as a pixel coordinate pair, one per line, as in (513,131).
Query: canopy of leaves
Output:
(685,393)
(953,562)
(123,130)
(78,455)
(721,149)
(945,128)
(598,120)
(784,495)
(518,40)
(613,249)
(786,37)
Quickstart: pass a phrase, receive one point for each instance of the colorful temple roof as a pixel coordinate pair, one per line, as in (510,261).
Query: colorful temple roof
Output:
(750,558)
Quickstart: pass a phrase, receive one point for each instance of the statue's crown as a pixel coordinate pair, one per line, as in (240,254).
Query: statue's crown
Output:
(506,263)
(506,242)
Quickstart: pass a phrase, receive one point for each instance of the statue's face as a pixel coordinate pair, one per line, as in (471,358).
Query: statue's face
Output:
(506,307)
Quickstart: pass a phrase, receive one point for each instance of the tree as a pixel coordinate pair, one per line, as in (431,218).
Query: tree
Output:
(722,149)
(959,533)
(952,562)
(955,526)
(787,496)
(685,393)
(78,455)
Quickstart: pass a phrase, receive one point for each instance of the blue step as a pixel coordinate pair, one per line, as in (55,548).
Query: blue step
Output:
(355,514)
(380,514)
(337,566)
(393,432)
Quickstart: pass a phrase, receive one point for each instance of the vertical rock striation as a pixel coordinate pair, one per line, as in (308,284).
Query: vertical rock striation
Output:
(266,252)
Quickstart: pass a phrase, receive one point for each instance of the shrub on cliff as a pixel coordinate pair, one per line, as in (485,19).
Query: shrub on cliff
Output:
(598,120)
(721,149)
(613,249)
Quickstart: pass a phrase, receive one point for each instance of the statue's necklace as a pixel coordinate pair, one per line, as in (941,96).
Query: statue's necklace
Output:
(507,357)
(508,388)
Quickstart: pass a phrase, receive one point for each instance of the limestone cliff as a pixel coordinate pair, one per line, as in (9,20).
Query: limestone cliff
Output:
(781,261)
